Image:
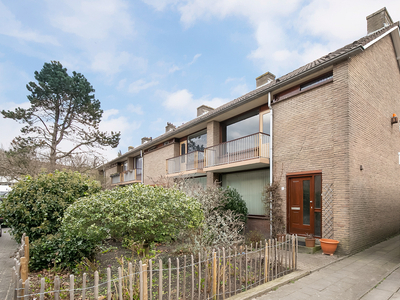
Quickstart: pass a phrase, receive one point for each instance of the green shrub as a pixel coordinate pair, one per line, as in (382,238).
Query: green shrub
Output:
(59,250)
(139,212)
(35,206)
(234,202)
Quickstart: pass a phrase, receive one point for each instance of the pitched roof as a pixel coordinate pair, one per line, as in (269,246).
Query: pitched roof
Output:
(323,61)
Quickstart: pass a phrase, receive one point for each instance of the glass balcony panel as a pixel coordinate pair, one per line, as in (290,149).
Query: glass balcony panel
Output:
(187,162)
(248,147)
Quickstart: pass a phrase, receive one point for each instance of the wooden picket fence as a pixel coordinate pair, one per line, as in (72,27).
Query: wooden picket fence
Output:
(211,275)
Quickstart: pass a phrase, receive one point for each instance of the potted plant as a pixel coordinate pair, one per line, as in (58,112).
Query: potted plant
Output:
(328,246)
(310,240)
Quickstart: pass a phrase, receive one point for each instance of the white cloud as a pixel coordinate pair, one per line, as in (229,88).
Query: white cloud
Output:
(10,128)
(182,102)
(240,90)
(110,112)
(137,109)
(139,85)
(91,19)
(194,59)
(110,63)
(288,33)
(121,84)
(174,68)
(160,4)
(10,26)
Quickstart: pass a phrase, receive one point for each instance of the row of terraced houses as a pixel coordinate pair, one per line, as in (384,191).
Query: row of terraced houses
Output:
(326,132)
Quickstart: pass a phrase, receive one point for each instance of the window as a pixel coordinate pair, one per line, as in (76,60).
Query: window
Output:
(125,166)
(316,81)
(266,123)
(240,126)
(197,141)
(325,78)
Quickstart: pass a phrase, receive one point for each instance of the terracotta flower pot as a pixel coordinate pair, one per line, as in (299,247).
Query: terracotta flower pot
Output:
(328,246)
(310,242)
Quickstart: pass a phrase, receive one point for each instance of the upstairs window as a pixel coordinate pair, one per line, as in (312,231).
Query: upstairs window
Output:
(197,141)
(240,126)
(320,80)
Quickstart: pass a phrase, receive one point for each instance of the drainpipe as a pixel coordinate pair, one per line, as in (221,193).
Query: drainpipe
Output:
(141,155)
(270,162)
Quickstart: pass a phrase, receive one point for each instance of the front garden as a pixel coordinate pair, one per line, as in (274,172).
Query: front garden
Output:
(75,228)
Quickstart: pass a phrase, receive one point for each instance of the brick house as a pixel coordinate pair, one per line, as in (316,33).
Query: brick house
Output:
(325,132)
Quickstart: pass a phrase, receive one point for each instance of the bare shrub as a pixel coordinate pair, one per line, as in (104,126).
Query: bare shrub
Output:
(220,227)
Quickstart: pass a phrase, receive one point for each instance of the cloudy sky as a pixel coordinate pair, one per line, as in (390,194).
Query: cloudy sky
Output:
(155,61)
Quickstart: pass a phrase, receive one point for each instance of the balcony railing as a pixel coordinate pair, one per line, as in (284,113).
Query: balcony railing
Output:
(248,147)
(131,175)
(187,162)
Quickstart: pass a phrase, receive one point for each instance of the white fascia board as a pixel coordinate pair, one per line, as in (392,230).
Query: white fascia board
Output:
(380,37)
(396,43)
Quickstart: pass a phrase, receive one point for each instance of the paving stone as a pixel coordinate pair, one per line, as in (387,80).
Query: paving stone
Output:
(377,294)
(396,296)
(389,285)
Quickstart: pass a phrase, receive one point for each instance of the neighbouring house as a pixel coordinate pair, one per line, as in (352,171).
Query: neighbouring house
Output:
(326,132)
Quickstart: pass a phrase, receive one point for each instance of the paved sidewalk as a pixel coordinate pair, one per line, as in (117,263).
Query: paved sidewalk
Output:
(388,288)
(7,249)
(350,278)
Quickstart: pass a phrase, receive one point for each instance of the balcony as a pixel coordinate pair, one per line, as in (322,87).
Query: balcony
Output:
(244,153)
(127,177)
(187,164)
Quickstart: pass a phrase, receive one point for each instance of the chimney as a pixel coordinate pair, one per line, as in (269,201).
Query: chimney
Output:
(264,79)
(169,127)
(146,140)
(201,110)
(130,148)
(378,20)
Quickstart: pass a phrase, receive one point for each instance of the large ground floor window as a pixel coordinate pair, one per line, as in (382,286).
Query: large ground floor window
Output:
(250,184)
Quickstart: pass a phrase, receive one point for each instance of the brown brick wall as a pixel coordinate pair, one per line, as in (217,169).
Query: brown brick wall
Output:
(374,143)
(154,163)
(310,132)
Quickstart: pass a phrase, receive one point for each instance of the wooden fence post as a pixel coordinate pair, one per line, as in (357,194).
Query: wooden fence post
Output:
(96,285)
(84,286)
(42,288)
(56,288)
(26,290)
(223,272)
(160,281)
(293,253)
(266,263)
(71,287)
(24,273)
(214,276)
(119,283)
(177,279)
(27,252)
(108,284)
(145,289)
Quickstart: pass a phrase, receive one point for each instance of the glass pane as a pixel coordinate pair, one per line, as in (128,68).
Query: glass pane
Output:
(267,123)
(318,190)
(197,142)
(243,128)
(250,185)
(183,149)
(317,223)
(306,202)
